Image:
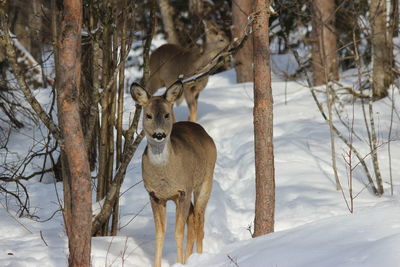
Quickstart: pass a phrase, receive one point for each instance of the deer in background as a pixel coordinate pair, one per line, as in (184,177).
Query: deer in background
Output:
(178,163)
(170,61)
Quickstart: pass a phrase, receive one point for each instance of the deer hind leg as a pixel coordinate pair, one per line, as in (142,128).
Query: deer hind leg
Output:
(182,212)
(191,232)
(191,97)
(160,220)
(201,198)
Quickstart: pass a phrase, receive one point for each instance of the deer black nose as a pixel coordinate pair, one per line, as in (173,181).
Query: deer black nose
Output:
(159,136)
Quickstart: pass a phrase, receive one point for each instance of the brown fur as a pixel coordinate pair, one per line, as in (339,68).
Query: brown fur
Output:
(176,167)
(169,61)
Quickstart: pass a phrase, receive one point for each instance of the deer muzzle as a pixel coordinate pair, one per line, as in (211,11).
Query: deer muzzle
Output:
(159,137)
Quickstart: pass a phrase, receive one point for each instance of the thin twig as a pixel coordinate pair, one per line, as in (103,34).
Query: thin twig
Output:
(234,261)
(44,241)
(15,219)
(134,217)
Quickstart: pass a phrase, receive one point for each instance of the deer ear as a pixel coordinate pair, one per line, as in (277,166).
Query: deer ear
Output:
(174,92)
(139,94)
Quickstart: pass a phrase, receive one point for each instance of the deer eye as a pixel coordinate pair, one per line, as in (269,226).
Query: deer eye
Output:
(148,116)
(166,116)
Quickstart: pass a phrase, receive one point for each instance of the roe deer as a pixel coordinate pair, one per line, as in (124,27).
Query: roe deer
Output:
(178,162)
(170,61)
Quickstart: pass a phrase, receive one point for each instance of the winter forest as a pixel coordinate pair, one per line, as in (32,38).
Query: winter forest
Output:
(244,133)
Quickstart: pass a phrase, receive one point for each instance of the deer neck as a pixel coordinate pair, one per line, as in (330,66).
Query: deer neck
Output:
(159,153)
(205,57)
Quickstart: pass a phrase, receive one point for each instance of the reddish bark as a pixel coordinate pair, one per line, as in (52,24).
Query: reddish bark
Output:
(78,206)
(263,124)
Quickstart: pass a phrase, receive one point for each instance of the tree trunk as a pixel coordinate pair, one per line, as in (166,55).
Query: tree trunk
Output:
(244,58)
(167,13)
(196,13)
(324,47)
(68,80)
(263,124)
(19,27)
(394,17)
(86,101)
(381,72)
(35,26)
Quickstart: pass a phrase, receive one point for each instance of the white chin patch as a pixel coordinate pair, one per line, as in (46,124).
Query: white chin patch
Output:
(159,140)
(159,158)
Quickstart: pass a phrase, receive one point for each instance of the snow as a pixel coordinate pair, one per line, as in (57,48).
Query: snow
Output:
(313,225)
(26,58)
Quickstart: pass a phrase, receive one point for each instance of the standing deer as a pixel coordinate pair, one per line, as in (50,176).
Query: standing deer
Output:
(177,163)
(170,61)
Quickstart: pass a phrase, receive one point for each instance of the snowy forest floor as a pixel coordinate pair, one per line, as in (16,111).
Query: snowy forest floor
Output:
(313,224)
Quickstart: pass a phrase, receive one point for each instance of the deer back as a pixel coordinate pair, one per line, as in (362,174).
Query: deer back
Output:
(169,61)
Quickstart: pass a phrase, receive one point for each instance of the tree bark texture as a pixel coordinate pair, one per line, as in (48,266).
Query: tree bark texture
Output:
(87,101)
(381,58)
(167,15)
(106,135)
(196,13)
(263,123)
(68,82)
(324,46)
(244,58)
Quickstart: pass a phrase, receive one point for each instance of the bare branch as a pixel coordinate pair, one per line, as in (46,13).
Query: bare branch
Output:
(5,40)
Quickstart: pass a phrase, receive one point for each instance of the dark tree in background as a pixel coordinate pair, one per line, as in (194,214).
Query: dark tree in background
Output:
(241,9)
(263,123)
(167,15)
(324,47)
(381,54)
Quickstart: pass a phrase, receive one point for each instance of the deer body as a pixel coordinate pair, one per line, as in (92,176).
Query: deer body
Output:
(183,165)
(170,61)
(177,164)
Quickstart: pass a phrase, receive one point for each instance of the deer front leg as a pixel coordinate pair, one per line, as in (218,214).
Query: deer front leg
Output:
(182,212)
(160,222)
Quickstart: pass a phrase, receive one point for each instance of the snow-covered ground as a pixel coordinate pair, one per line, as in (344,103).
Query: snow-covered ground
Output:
(313,224)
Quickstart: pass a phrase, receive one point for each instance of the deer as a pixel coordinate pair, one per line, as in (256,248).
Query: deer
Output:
(177,164)
(170,61)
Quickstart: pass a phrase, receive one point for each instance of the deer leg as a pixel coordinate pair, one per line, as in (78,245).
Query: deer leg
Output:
(191,96)
(159,214)
(191,232)
(182,211)
(201,198)
(193,109)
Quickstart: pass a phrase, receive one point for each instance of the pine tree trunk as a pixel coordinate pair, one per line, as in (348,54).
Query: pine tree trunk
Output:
(68,81)
(244,58)
(324,47)
(263,124)
(381,72)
